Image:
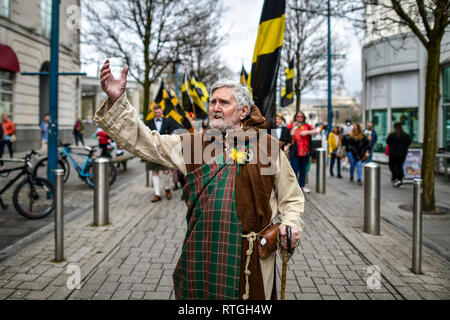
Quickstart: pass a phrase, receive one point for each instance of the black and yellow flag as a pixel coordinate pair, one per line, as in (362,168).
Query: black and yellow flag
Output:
(195,96)
(166,101)
(266,57)
(287,94)
(179,110)
(244,76)
(188,104)
(200,88)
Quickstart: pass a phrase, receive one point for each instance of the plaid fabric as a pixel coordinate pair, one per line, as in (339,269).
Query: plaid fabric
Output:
(209,266)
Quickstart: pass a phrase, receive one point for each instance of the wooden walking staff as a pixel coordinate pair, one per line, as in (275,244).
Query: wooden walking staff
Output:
(286,255)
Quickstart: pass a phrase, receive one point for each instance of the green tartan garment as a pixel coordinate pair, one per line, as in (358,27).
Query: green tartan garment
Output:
(209,265)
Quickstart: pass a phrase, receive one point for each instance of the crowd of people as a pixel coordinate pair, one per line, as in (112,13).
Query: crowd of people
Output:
(349,146)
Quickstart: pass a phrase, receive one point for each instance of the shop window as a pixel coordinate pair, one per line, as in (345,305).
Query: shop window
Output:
(446,85)
(446,108)
(379,121)
(6,92)
(409,118)
(446,135)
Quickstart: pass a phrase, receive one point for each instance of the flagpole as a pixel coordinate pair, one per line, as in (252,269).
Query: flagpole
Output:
(330,110)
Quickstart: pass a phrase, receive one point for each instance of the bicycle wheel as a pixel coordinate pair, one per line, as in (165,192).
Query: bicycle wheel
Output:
(112,174)
(34,199)
(40,169)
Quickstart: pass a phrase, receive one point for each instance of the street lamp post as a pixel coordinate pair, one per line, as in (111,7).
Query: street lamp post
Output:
(330,111)
(54,74)
(329,55)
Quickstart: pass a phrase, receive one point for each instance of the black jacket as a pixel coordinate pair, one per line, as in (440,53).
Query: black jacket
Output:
(398,144)
(357,147)
(285,136)
(168,125)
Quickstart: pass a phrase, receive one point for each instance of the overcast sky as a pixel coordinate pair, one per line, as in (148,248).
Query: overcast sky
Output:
(240,23)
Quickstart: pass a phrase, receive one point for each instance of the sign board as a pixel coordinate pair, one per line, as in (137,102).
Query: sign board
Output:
(412,168)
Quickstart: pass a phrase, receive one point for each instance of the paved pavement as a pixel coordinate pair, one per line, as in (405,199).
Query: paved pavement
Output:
(134,256)
(16,231)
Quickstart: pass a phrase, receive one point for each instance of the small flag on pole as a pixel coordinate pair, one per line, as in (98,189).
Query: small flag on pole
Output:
(287,94)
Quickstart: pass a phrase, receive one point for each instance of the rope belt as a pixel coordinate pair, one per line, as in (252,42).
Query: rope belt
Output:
(251,237)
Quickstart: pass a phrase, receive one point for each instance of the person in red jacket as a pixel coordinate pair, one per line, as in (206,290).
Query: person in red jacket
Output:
(299,152)
(8,133)
(103,142)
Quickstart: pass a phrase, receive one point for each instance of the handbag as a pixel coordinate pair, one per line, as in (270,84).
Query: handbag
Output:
(340,153)
(267,241)
(293,150)
(13,138)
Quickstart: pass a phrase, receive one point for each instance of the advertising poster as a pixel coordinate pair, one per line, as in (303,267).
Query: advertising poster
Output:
(413,164)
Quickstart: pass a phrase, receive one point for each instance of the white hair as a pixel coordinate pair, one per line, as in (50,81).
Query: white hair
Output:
(241,93)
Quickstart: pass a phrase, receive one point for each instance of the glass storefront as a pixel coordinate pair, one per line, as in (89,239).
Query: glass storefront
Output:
(446,108)
(379,121)
(409,118)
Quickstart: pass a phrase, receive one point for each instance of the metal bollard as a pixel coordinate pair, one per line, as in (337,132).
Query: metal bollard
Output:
(372,198)
(101,192)
(59,215)
(417,227)
(321,170)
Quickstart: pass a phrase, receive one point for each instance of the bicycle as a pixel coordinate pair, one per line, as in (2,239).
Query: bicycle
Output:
(85,171)
(34,197)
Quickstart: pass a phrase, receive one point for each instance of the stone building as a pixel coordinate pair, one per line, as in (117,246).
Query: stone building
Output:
(25,47)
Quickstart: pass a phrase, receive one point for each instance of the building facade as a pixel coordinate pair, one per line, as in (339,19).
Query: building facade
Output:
(394,79)
(25,47)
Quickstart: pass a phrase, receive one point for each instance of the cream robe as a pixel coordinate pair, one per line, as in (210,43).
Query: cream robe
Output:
(121,121)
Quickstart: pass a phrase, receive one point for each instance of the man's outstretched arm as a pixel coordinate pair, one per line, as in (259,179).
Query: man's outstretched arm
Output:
(121,121)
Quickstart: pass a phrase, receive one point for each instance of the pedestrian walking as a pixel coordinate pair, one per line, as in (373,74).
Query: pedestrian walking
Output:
(372,136)
(231,198)
(78,131)
(9,130)
(282,133)
(334,150)
(347,128)
(300,150)
(163,126)
(44,133)
(1,148)
(357,146)
(103,143)
(398,142)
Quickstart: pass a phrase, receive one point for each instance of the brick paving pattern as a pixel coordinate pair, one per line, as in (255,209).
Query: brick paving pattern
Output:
(134,257)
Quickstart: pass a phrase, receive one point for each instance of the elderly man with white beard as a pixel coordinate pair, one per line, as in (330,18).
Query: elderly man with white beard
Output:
(237,184)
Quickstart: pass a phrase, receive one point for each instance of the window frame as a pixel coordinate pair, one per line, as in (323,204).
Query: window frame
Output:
(8,8)
(46,17)
(10,112)
(380,146)
(445,106)
(407,110)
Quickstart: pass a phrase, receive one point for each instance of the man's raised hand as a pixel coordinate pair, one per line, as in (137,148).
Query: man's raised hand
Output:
(114,88)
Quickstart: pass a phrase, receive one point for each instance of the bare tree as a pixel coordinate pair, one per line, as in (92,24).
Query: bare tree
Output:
(426,20)
(306,42)
(199,43)
(147,35)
